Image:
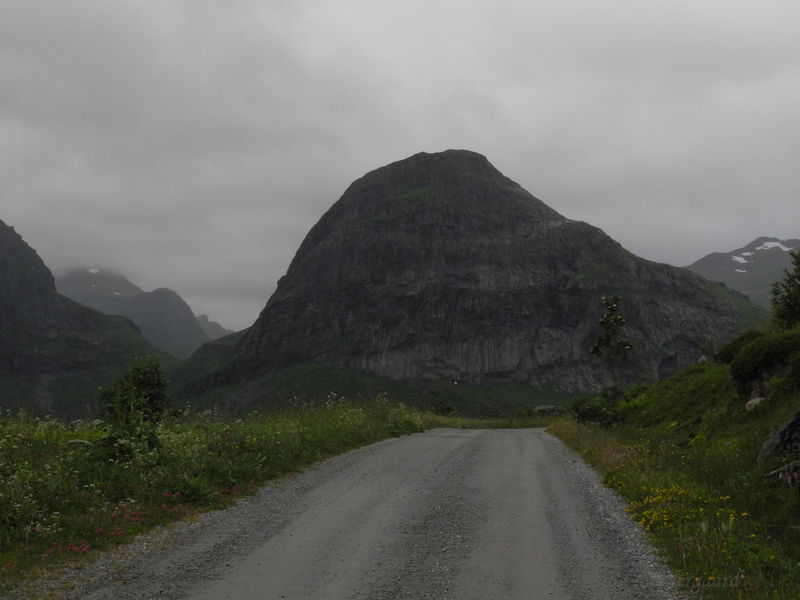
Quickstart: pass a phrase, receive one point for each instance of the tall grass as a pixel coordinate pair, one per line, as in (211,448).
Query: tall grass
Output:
(64,497)
(726,527)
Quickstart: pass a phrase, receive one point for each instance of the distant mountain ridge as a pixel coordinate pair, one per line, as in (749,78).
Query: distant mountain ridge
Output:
(164,318)
(54,352)
(751,269)
(213,330)
(439,267)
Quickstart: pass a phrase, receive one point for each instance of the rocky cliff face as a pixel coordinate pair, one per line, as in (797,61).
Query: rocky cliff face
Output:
(751,269)
(163,317)
(48,343)
(440,267)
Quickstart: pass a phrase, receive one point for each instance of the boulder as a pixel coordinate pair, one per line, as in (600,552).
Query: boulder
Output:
(783,442)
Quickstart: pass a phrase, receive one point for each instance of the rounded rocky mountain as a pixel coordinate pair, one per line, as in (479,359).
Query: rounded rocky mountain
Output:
(440,267)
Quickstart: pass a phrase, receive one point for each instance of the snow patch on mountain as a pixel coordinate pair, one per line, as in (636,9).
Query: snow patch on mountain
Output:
(770,245)
(739,259)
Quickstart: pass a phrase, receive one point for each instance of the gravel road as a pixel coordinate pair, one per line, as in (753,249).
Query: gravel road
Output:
(461,514)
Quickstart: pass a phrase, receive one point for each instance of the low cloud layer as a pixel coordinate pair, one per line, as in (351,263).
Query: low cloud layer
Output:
(191,144)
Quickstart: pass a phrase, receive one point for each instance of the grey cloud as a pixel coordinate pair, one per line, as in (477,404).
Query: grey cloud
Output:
(192,144)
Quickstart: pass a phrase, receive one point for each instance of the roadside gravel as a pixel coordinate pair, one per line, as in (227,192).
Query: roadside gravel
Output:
(444,514)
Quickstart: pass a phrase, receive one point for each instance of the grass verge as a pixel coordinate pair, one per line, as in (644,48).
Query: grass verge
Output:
(725,526)
(63,498)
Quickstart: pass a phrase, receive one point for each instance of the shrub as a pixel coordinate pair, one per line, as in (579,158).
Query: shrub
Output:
(133,405)
(589,409)
(146,380)
(728,352)
(613,405)
(765,352)
(599,409)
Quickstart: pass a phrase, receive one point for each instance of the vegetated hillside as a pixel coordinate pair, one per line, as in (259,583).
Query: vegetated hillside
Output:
(751,269)
(439,268)
(314,383)
(162,315)
(707,460)
(54,352)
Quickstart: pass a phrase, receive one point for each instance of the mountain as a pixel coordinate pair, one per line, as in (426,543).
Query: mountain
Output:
(162,315)
(167,321)
(101,289)
(213,330)
(54,352)
(752,269)
(438,267)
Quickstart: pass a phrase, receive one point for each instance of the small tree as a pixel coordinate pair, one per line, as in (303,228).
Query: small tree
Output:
(134,404)
(786,295)
(613,349)
(611,346)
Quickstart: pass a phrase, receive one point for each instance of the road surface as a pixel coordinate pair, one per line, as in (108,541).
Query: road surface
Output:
(461,514)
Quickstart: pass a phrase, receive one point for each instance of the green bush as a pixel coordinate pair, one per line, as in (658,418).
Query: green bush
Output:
(765,352)
(728,352)
(133,405)
(599,409)
(614,405)
(590,409)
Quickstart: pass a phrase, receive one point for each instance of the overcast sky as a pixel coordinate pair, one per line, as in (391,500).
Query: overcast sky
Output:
(191,144)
